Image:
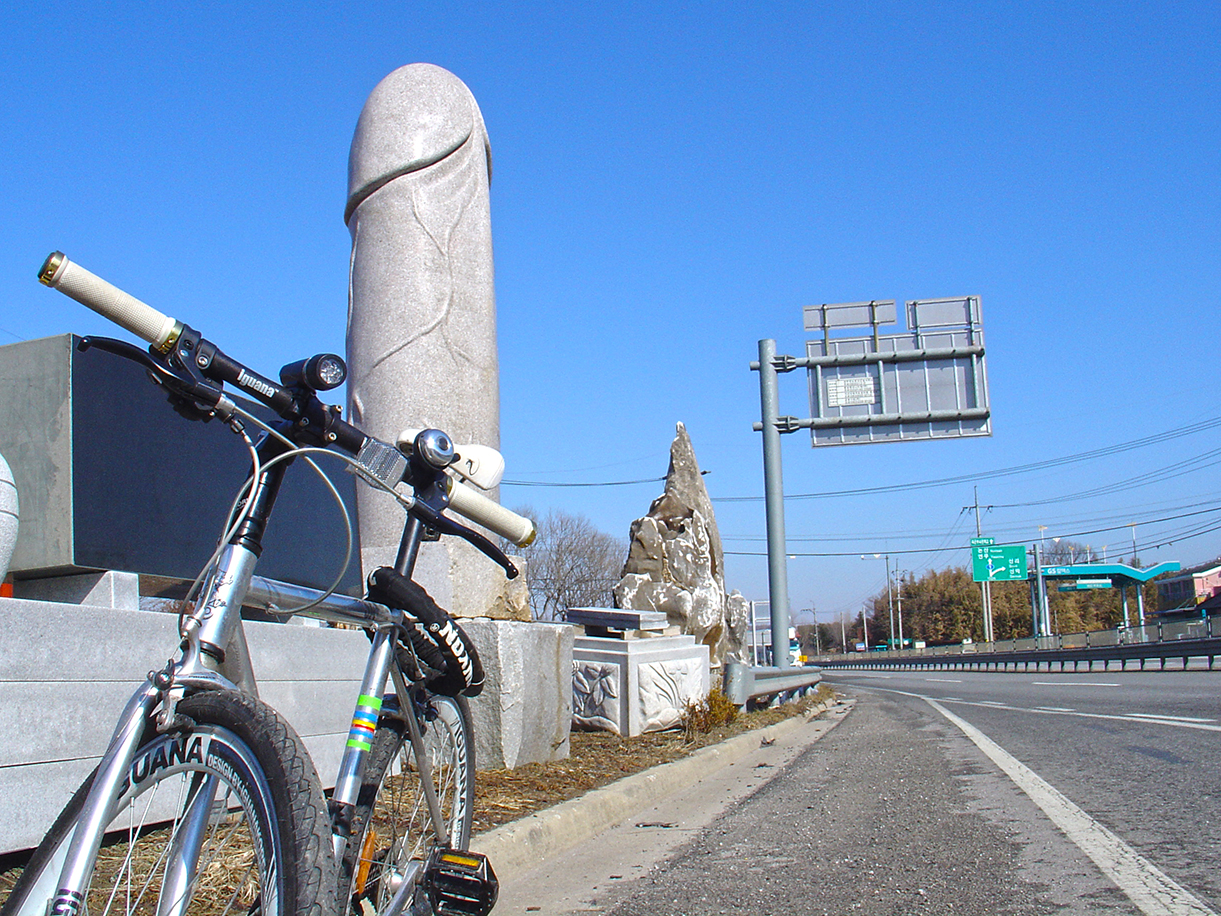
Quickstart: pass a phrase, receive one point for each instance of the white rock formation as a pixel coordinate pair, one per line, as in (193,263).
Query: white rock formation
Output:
(676,564)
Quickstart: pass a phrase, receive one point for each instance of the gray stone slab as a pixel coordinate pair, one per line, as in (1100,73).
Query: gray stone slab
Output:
(66,672)
(613,619)
(97,589)
(43,790)
(45,641)
(334,655)
(58,721)
(524,714)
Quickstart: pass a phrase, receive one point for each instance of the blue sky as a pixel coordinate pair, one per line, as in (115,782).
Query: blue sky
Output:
(673,182)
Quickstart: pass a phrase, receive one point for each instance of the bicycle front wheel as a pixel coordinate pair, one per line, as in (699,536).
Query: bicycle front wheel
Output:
(225,816)
(393,832)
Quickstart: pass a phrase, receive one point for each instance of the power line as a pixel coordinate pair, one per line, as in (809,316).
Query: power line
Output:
(606,483)
(1104,452)
(1190,533)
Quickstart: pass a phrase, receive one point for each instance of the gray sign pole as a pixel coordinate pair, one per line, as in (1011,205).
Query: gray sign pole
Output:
(773,492)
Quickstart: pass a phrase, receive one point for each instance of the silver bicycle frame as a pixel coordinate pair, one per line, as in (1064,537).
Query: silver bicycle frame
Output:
(215,624)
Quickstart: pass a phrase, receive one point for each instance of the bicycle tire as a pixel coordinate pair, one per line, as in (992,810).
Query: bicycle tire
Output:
(265,843)
(391,825)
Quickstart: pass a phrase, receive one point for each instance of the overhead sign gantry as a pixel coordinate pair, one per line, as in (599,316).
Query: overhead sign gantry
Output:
(928,383)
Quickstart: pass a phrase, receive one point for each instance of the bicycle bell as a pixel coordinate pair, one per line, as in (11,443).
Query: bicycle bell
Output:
(435,447)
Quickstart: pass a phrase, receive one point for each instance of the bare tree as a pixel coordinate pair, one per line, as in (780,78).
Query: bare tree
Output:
(1063,552)
(570,564)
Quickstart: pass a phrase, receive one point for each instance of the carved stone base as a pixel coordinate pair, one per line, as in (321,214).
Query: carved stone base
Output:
(636,685)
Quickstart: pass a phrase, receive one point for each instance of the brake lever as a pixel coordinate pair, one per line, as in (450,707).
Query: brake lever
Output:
(186,389)
(446,525)
(124,349)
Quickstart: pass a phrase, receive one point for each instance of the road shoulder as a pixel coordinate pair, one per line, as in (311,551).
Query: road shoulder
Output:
(547,862)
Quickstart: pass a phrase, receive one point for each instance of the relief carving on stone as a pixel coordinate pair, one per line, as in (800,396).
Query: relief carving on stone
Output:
(665,690)
(595,695)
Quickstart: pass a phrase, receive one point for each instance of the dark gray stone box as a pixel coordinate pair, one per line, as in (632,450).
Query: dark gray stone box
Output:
(110,477)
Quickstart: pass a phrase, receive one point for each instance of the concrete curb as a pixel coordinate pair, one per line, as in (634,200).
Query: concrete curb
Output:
(524,843)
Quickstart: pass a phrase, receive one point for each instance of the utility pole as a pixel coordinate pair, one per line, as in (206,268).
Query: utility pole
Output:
(899,602)
(773,496)
(890,605)
(985,588)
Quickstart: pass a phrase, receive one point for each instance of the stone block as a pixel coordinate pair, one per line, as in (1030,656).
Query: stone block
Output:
(524,714)
(612,619)
(152,500)
(633,686)
(96,589)
(76,665)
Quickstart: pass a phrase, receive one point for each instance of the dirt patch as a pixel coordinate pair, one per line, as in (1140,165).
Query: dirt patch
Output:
(597,759)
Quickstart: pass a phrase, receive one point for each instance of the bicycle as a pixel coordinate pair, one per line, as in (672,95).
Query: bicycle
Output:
(206,800)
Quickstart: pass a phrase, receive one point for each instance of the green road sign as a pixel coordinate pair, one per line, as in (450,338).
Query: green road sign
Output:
(1004,563)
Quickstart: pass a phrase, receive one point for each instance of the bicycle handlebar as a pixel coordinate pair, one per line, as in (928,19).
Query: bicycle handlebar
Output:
(379,460)
(108,300)
(471,504)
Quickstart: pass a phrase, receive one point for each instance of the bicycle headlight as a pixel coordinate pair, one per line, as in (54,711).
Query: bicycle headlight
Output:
(319,373)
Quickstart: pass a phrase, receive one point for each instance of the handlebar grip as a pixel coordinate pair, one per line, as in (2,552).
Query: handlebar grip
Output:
(109,301)
(473,505)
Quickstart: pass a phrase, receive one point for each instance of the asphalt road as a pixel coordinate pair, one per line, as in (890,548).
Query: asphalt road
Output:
(939,793)
(1136,751)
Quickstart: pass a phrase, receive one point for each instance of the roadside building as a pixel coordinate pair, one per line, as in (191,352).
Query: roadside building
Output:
(1187,590)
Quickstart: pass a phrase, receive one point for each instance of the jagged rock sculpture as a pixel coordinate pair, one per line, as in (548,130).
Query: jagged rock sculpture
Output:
(676,564)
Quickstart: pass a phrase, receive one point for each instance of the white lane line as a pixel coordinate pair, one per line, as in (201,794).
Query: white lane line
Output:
(1176,722)
(1070,684)
(943,680)
(1171,719)
(1153,891)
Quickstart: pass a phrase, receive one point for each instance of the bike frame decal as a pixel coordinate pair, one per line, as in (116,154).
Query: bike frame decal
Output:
(364,723)
(66,903)
(192,749)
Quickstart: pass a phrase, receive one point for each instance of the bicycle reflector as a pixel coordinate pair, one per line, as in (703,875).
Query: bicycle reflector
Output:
(460,883)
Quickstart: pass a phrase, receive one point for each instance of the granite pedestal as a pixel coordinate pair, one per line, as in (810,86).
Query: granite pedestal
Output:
(635,681)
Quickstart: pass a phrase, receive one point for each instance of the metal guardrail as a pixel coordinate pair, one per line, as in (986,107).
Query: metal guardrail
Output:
(744,683)
(1159,642)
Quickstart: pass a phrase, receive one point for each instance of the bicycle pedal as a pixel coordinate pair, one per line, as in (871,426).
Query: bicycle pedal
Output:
(460,883)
